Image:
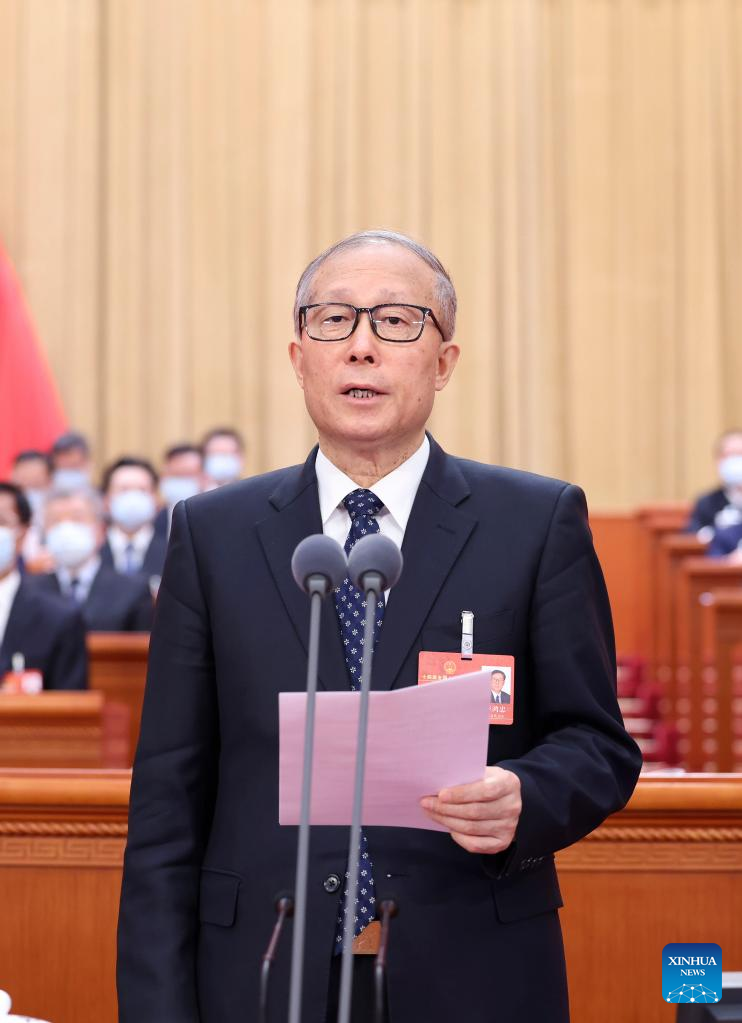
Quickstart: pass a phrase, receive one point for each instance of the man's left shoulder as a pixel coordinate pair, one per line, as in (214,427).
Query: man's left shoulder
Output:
(503,483)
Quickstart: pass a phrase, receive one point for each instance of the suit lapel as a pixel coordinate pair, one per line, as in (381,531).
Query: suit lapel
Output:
(298,516)
(20,622)
(435,536)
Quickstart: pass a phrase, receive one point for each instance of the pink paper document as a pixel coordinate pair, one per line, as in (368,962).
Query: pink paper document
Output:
(420,739)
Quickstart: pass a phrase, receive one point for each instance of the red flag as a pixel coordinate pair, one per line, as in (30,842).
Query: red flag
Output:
(31,413)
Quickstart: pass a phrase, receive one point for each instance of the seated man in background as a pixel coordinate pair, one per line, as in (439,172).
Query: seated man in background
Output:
(109,601)
(32,473)
(181,478)
(720,508)
(224,457)
(727,543)
(41,632)
(72,462)
(132,546)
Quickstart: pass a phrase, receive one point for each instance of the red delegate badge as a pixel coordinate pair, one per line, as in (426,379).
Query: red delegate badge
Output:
(434,665)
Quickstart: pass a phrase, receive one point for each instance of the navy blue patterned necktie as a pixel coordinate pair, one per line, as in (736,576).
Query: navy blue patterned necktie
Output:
(350,602)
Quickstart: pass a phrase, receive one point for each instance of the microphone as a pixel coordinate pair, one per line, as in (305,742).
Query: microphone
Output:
(374,565)
(284,904)
(319,565)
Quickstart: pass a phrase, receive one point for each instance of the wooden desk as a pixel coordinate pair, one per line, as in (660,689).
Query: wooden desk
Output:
(671,551)
(118,668)
(697,578)
(722,610)
(669,867)
(52,729)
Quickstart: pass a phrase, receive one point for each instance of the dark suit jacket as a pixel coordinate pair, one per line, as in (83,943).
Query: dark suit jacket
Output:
(50,634)
(154,556)
(205,854)
(705,510)
(115,603)
(504,697)
(725,541)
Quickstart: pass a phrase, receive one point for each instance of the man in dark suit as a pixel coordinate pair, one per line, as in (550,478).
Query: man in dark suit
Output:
(109,601)
(721,508)
(205,855)
(725,542)
(48,635)
(497,693)
(132,546)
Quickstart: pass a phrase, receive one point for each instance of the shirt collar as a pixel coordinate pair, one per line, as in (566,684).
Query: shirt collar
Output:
(9,586)
(85,574)
(396,491)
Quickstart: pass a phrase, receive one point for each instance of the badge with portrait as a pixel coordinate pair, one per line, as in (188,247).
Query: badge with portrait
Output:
(434,665)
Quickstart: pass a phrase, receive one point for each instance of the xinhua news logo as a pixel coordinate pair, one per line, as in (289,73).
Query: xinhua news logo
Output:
(691,972)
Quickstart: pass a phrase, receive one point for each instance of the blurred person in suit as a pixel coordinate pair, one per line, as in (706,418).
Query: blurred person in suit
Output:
(224,456)
(32,473)
(72,462)
(131,546)
(109,601)
(721,507)
(374,323)
(727,543)
(47,632)
(181,477)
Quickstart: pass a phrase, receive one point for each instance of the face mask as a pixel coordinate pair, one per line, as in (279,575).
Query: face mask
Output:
(132,509)
(730,470)
(70,544)
(222,468)
(178,488)
(7,548)
(71,479)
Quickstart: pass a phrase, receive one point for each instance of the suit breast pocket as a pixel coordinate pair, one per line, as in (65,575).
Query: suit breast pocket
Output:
(218,894)
(493,632)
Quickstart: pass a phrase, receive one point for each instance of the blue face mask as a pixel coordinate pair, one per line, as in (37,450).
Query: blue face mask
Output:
(71,479)
(132,509)
(730,470)
(178,488)
(223,468)
(7,548)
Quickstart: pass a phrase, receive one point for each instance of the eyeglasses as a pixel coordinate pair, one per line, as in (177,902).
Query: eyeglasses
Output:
(336,321)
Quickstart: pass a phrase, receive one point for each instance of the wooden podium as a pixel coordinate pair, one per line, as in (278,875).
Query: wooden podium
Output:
(62,729)
(667,868)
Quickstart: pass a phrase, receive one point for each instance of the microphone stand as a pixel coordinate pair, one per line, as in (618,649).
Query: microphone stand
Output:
(284,909)
(372,585)
(317,586)
(388,908)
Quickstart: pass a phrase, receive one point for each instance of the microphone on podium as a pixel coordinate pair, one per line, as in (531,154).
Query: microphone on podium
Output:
(284,904)
(318,565)
(374,565)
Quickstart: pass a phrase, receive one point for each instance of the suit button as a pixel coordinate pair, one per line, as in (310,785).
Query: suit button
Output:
(331,883)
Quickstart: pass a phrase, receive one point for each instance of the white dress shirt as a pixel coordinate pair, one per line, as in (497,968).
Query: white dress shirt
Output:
(397,491)
(118,541)
(8,589)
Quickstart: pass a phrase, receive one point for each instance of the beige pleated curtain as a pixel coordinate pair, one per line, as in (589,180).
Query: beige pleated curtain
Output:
(167,167)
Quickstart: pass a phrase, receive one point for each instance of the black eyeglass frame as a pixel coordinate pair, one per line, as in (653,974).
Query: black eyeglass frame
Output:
(426,312)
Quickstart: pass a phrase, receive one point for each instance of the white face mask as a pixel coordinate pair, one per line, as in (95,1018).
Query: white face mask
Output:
(70,544)
(71,479)
(132,509)
(730,470)
(223,468)
(178,488)
(7,548)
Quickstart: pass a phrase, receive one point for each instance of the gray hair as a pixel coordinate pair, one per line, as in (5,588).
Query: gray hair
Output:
(443,291)
(90,496)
